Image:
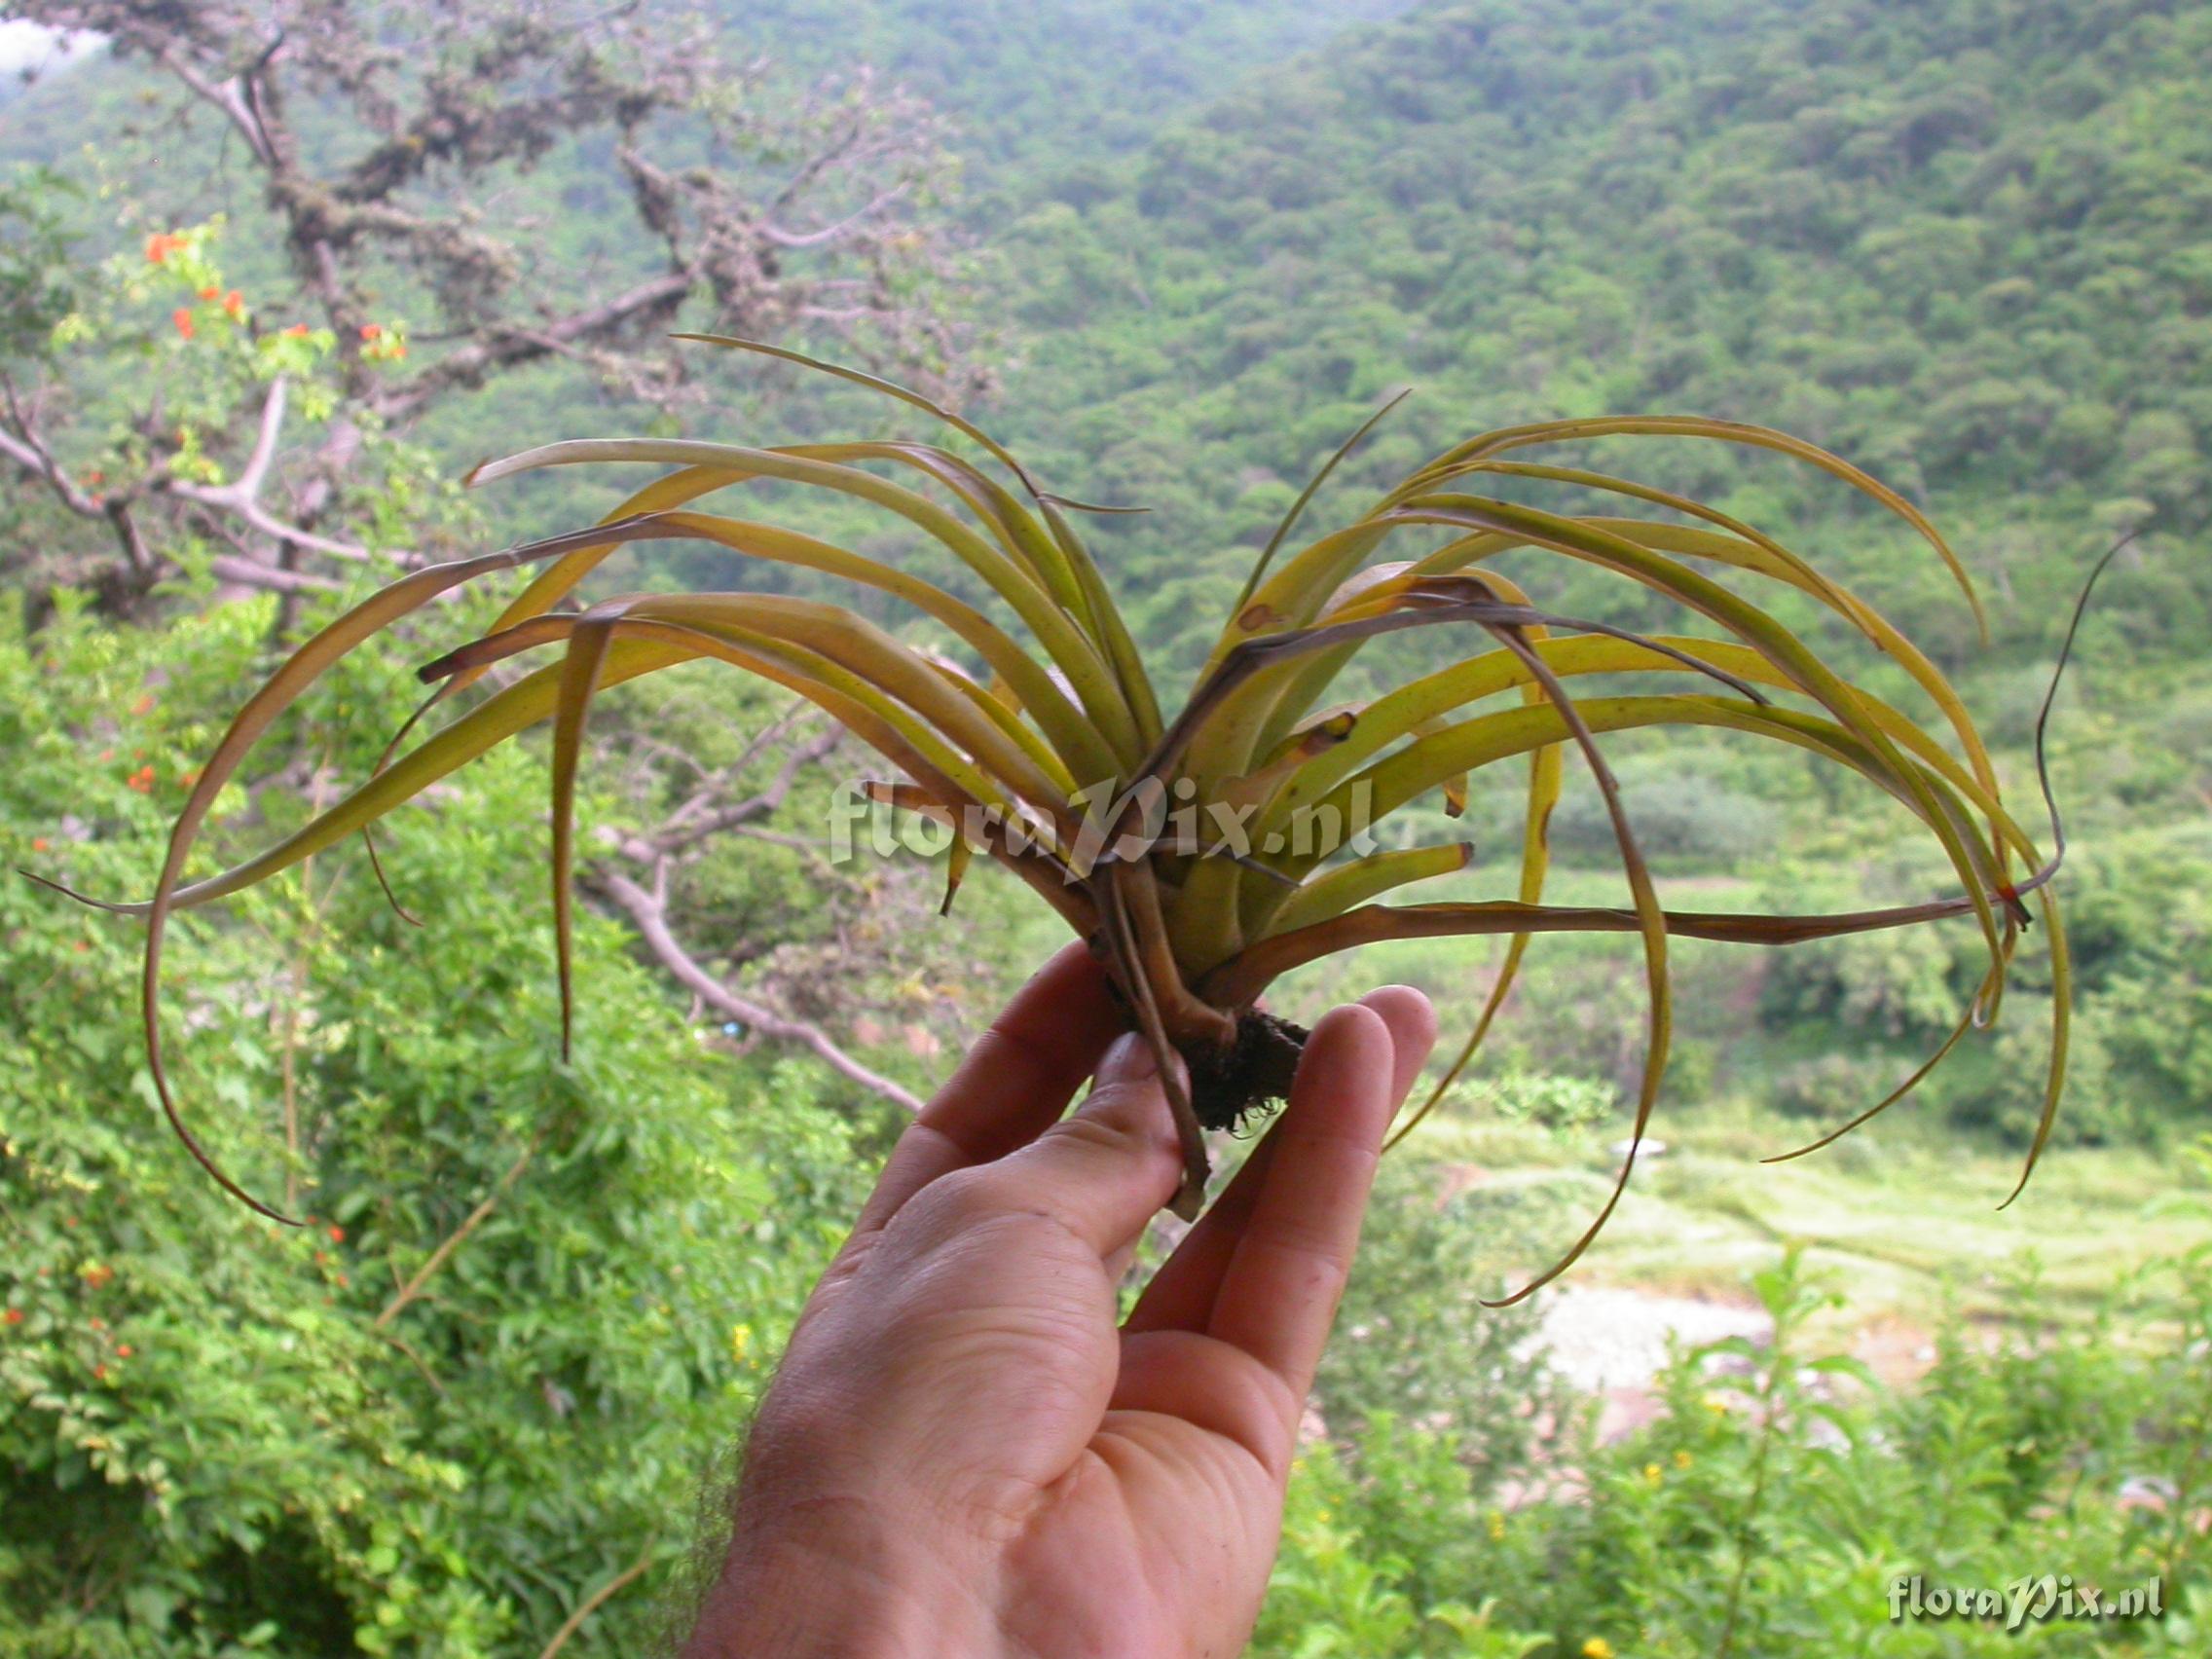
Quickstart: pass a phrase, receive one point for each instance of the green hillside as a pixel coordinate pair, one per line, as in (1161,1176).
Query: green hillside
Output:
(1046,90)
(1966,243)
(1034,90)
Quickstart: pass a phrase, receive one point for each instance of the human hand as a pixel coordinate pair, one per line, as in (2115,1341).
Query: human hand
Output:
(962,1454)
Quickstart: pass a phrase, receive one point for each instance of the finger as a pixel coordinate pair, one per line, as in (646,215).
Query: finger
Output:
(1181,1295)
(1120,1259)
(1411,1021)
(1279,1290)
(1103,1170)
(1012,1083)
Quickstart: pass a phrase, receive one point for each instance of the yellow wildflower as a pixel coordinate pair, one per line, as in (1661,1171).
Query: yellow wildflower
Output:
(1682,1460)
(1652,1472)
(740,1342)
(1597,1647)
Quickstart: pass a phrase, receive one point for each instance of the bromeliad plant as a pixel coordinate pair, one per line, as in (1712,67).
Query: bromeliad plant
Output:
(1055,757)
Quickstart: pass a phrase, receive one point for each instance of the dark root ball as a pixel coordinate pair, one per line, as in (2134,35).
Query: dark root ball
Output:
(1249,1076)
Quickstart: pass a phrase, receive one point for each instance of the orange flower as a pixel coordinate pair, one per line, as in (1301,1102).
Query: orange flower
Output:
(209,292)
(142,780)
(159,245)
(145,705)
(232,305)
(99,1373)
(182,317)
(297,331)
(371,331)
(122,1350)
(337,1234)
(96,476)
(13,1316)
(39,843)
(99,1276)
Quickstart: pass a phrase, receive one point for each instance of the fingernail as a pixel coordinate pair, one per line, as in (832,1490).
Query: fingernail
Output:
(1129,1061)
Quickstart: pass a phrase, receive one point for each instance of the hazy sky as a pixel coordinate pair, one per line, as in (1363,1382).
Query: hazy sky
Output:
(27,45)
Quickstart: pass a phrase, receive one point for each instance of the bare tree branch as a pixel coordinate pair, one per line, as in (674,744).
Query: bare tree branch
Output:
(698,819)
(499,346)
(23,443)
(591,1604)
(832,232)
(454,1240)
(648,913)
(271,578)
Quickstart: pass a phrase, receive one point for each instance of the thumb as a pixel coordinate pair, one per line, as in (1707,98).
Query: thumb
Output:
(1106,1168)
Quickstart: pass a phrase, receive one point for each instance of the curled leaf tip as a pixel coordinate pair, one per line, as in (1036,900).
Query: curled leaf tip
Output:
(201,1155)
(384,881)
(2027,1170)
(113,908)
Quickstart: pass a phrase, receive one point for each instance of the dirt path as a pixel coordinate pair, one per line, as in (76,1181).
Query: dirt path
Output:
(1611,1341)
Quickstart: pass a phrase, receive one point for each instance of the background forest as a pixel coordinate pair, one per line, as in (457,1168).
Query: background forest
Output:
(275,273)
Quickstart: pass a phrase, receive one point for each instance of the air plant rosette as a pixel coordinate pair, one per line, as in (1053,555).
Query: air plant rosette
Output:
(1018,748)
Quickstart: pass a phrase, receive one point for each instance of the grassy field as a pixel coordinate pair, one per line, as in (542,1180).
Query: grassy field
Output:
(1895,1223)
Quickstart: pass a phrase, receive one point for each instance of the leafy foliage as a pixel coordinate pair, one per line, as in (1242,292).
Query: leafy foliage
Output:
(534,1302)
(1776,1499)
(1414,1343)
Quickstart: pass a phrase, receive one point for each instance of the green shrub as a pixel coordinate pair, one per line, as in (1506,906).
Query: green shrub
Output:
(1412,1339)
(1566,1106)
(1780,1493)
(1350,1581)
(217,1435)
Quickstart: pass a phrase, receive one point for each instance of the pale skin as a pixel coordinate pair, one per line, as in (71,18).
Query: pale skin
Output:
(964,1452)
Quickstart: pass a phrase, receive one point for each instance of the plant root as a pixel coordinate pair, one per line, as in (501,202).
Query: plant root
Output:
(1250,1076)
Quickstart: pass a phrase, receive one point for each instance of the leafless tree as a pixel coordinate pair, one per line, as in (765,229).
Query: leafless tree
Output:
(394,146)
